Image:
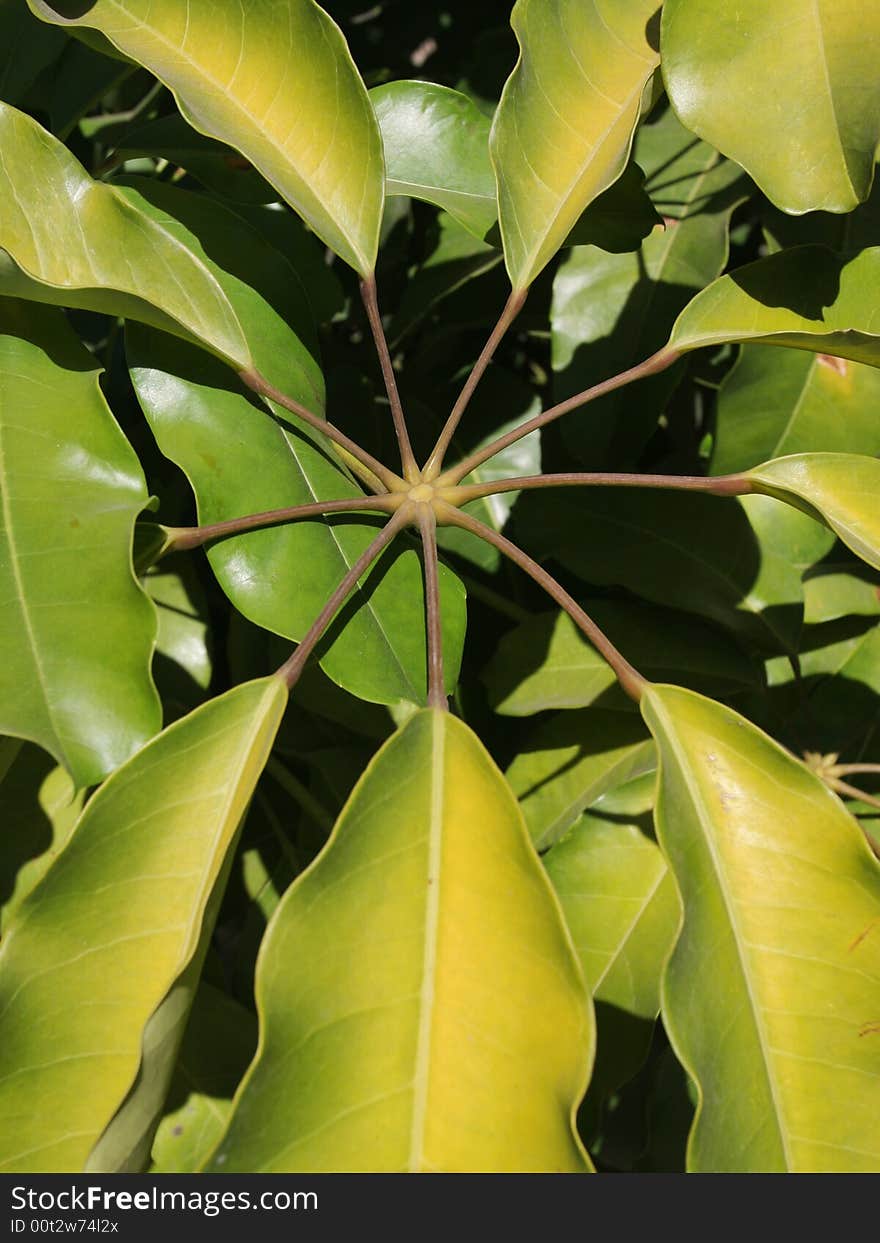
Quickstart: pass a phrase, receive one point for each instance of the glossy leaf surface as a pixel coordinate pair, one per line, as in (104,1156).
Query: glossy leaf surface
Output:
(78,242)
(788,89)
(564,127)
(81,980)
(774,981)
(274,80)
(423,1015)
(807,297)
(77,631)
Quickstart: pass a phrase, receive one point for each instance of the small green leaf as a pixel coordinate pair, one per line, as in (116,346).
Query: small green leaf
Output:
(564,128)
(775,978)
(776,401)
(78,242)
(789,90)
(840,489)
(807,297)
(621,906)
(274,79)
(77,630)
(428,1013)
(112,937)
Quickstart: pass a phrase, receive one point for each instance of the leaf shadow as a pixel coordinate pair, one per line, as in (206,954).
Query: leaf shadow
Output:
(792,280)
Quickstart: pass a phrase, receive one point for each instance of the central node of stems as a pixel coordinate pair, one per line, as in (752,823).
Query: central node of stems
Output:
(422,494)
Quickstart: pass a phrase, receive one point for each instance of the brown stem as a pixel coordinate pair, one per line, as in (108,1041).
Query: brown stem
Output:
(182,538)
(261,385)
(629,678)
(512,308)
(657,362)
(293,667)
(719,485)
(371,303)
(436,684)
(845,770)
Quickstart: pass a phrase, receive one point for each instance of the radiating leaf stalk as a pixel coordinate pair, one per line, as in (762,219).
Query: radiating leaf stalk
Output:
(716,485)
(630,679)
(181,539)
(292,668)
(512,308)
(371,303)
(656,363)
(436,683)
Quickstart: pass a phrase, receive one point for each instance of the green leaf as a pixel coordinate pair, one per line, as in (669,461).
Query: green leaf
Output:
(111,939)
(620,218)
(839,489)
(40,807)
(776,402)
(547,663)
(569,761)
(610,312)
(774,981)
(76,629)
(564,128)
(182,665)
(622,910)
(78,242)
(26,49)
(276,81)
(218,1043)
(436,144)
(788,90)
(427,1014)
(807,297)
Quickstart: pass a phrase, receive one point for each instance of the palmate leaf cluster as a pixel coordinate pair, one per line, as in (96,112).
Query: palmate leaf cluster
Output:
(391,789)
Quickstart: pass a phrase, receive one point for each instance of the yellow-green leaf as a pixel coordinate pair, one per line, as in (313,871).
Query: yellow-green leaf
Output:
(564,128)
(113,934)
(421,1006)
(74,241)
(274,79)
(840,489)
(790,90)
(807,297)
(771,996)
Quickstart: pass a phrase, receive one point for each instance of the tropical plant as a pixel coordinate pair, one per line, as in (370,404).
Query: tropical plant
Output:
(398,902)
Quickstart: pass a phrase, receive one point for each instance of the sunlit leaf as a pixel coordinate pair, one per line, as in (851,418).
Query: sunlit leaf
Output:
(428,1013)
(774,981)
(77,631)
(101,959)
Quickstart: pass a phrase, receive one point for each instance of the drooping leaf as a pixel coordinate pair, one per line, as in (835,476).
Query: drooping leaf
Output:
(274,80)
(564,127)
(218,1043)
(620,218)
(428,1013)
(546,663)
(102,957)
(182,664)
(807,297)
(775,402)
(789,90)
(610,312)
(436,144)
(569,761)
(840,489)
(78,242)
(77,631)
(770,996)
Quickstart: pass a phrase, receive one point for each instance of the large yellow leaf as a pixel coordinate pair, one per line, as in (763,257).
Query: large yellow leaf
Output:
(100,960)
(421,1006)
(273,78)
(565,124)
(772,996)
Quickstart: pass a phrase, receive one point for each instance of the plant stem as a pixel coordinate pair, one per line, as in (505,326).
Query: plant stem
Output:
(629,678)
(259,384)
(512,308)
(370,300)
(719,485)
(181,539)
(293,667)
(436,685)
(657,362)
(845,770)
